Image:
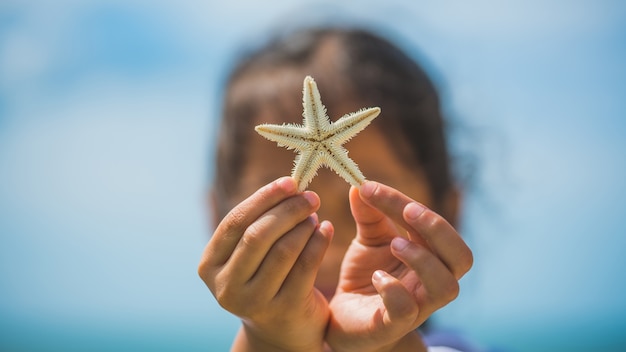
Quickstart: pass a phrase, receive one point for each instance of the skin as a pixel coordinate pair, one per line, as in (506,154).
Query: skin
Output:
(389,285)
(362,281)
(261,264)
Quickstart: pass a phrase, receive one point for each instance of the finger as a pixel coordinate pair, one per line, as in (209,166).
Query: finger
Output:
(443,239)
(401,309)
(262,234)
(231,228)
(281,257)
(373,227)
(389,202)
(437,286)
(424,226)
(301,279)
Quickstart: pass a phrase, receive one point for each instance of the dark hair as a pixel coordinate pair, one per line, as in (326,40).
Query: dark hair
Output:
(346,64)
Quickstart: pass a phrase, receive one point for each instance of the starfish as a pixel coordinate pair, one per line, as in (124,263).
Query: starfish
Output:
(319,142)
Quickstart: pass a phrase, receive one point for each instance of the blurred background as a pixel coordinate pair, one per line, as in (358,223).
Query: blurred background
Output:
(108,115)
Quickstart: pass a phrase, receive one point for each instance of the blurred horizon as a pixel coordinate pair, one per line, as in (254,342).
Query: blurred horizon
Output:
(108,112)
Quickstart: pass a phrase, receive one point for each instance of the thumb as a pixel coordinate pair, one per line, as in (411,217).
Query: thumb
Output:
(373,228)
(401,309)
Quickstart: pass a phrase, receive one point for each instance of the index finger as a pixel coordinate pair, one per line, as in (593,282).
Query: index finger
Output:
(423,225)
(230,229)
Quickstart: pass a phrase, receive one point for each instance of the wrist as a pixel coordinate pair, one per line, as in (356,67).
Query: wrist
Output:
(410,342)
(249,339)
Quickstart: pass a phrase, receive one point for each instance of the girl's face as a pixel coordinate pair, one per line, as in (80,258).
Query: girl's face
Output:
(376,159)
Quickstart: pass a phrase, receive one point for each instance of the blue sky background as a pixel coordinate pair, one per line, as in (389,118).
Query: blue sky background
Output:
(107,117)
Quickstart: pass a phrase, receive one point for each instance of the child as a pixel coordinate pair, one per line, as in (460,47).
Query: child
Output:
(383,259)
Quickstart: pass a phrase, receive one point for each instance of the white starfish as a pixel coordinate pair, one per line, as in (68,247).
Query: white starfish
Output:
(319,142)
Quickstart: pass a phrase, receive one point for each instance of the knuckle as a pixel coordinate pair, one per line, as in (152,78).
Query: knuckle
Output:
(408,312)
(285,251)
(434,222)
(445,293)
(253,235)
(451,291)
(418,255)
(219,290)
(234,220)
(226,300)
(299,205)
(307,261)
(467,261)
(204,268)
(463,264)
(291,248)
(308,258)
(222,297)
(231,299)
(296,205)
(208,272)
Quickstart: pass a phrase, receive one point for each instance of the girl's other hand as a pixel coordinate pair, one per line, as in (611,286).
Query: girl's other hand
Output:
(390,281)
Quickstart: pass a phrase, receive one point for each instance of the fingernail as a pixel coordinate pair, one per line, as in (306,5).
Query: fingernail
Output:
(399,243)
(326,227)
(413,210)
(367,188)
(379,275)
(311,198)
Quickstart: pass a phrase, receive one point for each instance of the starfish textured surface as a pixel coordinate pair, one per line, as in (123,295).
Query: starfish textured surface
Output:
(319,142)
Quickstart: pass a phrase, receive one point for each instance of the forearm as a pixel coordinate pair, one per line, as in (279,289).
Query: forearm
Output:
(245,342)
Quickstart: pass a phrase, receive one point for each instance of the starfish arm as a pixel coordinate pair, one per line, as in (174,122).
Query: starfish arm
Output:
(305,168)
(290,136)
(319,142)
(314,112)
(350,125)
(336,158)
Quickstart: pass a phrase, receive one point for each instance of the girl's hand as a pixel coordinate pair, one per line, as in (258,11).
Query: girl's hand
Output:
(391,282)
(261,263)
